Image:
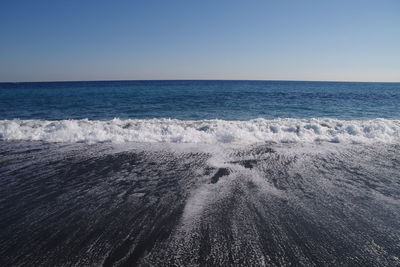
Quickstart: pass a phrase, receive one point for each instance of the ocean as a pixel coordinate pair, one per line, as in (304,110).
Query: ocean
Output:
(199,173)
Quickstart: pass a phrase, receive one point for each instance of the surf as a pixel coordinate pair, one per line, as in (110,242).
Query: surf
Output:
(282,130)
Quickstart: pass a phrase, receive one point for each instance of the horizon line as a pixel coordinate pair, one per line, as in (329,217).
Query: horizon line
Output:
(139,80)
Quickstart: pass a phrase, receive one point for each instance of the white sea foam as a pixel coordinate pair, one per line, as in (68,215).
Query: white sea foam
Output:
(203,131)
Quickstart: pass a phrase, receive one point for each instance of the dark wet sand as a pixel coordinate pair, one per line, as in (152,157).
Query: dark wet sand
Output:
(160,205)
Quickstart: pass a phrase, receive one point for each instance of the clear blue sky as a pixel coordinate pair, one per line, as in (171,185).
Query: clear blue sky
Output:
(200,39)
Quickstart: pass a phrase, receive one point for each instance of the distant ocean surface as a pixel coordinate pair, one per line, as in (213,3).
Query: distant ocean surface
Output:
(199,173)
(199,100)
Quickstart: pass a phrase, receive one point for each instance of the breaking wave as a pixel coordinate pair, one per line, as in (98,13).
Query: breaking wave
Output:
(203,131)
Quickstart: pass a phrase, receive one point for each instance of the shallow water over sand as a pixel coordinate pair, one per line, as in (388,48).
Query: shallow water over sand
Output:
(266,204)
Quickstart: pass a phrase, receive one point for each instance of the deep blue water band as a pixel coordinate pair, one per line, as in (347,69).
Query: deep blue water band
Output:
(228,100)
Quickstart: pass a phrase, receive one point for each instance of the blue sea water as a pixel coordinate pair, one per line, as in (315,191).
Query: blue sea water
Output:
(197,100)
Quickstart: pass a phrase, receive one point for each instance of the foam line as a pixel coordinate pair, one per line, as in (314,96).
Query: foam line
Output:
(203,131)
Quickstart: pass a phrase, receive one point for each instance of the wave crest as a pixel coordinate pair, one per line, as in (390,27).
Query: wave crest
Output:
(203,131)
